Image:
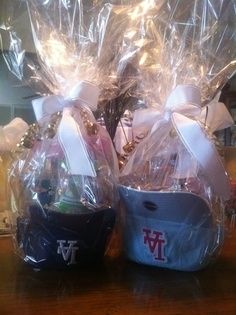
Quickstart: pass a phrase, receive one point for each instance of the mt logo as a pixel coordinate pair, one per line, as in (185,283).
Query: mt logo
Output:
(68,251)
(156,242)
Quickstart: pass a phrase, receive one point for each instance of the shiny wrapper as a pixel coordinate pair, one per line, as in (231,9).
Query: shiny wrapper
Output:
(173,183)
(63,180)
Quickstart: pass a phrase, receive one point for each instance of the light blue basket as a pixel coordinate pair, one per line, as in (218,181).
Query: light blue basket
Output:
(173,230)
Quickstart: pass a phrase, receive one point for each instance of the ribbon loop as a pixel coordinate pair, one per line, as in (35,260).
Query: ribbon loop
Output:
(183,110)
(84,92)
(184,99)
(48,105)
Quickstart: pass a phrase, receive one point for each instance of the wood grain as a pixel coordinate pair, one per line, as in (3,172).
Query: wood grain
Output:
(117,287)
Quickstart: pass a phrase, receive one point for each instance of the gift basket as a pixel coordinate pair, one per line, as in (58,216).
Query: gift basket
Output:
(63,179)
(174,184)
(10,134)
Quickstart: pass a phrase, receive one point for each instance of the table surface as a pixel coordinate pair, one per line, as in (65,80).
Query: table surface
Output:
(117,287)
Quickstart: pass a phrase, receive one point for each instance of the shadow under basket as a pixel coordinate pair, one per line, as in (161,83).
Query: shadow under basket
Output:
(50,239)
(174,230)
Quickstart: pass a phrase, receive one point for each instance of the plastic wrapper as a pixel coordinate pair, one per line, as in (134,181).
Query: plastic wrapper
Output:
(63,180)
(174,184)
(71,31)
(9,136)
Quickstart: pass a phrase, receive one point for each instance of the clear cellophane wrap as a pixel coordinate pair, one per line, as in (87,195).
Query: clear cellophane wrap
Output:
(10,135)
(183,53)
(63,180)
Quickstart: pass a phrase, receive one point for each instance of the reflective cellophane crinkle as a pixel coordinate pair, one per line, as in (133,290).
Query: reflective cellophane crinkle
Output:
(183,53)
(64,176)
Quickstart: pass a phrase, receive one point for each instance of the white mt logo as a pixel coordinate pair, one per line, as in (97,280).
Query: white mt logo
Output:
(68,250)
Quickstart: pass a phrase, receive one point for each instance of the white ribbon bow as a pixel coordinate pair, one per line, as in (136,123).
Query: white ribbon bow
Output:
(69,133)
(183,109)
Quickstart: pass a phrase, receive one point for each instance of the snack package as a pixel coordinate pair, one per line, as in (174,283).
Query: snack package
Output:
(10,134)
(174,184)
(63,180)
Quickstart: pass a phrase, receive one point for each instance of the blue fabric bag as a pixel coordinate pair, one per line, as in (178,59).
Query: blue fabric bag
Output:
(52,239)
(173,230)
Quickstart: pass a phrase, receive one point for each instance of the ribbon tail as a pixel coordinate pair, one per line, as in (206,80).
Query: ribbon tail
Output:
(204,151)
(216,116)
(185,99)
(74,146)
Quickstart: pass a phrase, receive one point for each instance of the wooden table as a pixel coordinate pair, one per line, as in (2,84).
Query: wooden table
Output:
(117,287)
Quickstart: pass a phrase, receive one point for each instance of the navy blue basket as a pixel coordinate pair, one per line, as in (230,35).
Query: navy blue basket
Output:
(50,239)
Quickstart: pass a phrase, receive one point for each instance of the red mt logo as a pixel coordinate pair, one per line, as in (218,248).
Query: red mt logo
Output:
(156,242)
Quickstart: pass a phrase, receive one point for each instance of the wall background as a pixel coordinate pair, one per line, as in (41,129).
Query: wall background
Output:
(15,98)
